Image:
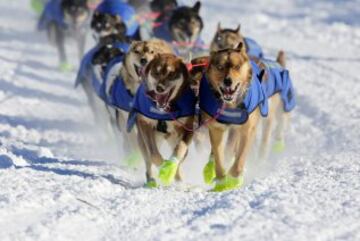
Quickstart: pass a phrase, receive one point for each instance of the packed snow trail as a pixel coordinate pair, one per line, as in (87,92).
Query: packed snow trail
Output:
(60,178)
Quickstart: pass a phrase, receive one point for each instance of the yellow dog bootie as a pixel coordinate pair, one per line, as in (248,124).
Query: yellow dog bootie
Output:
(228,183)
(209,173)
(279,146)
(168,171)
(133,159)
(66,67)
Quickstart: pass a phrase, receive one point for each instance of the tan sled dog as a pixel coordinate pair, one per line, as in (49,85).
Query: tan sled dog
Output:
(236,82)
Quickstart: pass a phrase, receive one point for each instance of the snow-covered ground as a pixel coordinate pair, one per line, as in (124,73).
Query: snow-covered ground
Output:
(60,178)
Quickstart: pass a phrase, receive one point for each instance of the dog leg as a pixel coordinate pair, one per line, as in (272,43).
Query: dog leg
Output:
(60,43)
(144,148)
(282,119)
(235,178)
(171,168)
(81,42)
(217,148)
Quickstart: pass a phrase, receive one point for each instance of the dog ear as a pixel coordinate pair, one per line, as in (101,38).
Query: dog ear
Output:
(237,30)
(197,6)
(219,27)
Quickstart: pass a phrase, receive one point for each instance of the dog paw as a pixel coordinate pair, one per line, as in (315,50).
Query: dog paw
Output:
(279,146)
(167,172)
(66,67)
(228,183)
(209,172)
(133,159)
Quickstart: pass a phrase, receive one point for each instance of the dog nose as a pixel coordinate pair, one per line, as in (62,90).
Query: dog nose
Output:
(160,89)
(227,82)
(143,61)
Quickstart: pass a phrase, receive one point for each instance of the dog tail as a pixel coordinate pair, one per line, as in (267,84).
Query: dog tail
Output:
(281,58)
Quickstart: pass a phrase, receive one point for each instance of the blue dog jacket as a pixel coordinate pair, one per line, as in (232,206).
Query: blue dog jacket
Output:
(184,106)
(99,80)
(279,81)
(127,13)
(52,13)
(253,48)
(255,97)
(86,70)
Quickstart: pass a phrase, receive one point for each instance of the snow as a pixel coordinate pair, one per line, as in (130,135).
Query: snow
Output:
(61,177)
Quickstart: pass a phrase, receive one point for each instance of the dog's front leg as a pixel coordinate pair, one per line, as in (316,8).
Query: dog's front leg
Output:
(171,168)
(217,134)
(247,133)
(144,132)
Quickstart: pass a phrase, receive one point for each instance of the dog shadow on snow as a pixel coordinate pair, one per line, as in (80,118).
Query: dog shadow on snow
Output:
(38,163)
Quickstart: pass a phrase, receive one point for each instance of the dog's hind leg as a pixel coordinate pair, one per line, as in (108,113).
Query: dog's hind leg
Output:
(268,127)
(282,119)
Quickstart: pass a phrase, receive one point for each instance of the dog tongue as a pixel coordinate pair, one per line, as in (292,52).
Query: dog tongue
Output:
(162,99)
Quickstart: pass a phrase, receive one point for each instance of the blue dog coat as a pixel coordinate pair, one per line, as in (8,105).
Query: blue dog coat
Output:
(279,81)
(253,48)
(52,13)
(184,106)
(255,97)
(99,80)
(86,70)
(127,13)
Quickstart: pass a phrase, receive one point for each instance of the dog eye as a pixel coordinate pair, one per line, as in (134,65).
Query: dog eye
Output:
(136,51)
(219,38)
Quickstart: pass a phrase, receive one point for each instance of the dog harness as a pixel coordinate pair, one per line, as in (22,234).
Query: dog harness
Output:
(184,106)
(279,81)
(124,10)
(52,13)
(253,49)
(255,97)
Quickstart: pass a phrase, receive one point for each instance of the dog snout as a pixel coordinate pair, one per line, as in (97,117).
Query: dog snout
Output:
(160,89)
(143,61)
(228,82)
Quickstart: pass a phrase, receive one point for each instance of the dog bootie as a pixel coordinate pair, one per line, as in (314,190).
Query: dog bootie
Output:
(228,183)
(209,171)
(168,171)
(279,146)
(151,184)
(65,67)
(133,159)
(37,6)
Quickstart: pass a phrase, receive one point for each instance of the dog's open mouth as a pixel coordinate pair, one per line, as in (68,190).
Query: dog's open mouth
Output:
(138,70)
(228,93)
(162,100)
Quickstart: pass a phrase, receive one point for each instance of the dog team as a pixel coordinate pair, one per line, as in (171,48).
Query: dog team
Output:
(159,83)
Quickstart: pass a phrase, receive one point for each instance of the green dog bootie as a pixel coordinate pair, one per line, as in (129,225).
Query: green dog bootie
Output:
(37,6)
(133,159)
(151,184)
(168,171)
(65,67)
(228,183)
(209,173)
(279,146)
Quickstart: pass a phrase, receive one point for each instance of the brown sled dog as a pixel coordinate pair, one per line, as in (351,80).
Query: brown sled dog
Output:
(165,107)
